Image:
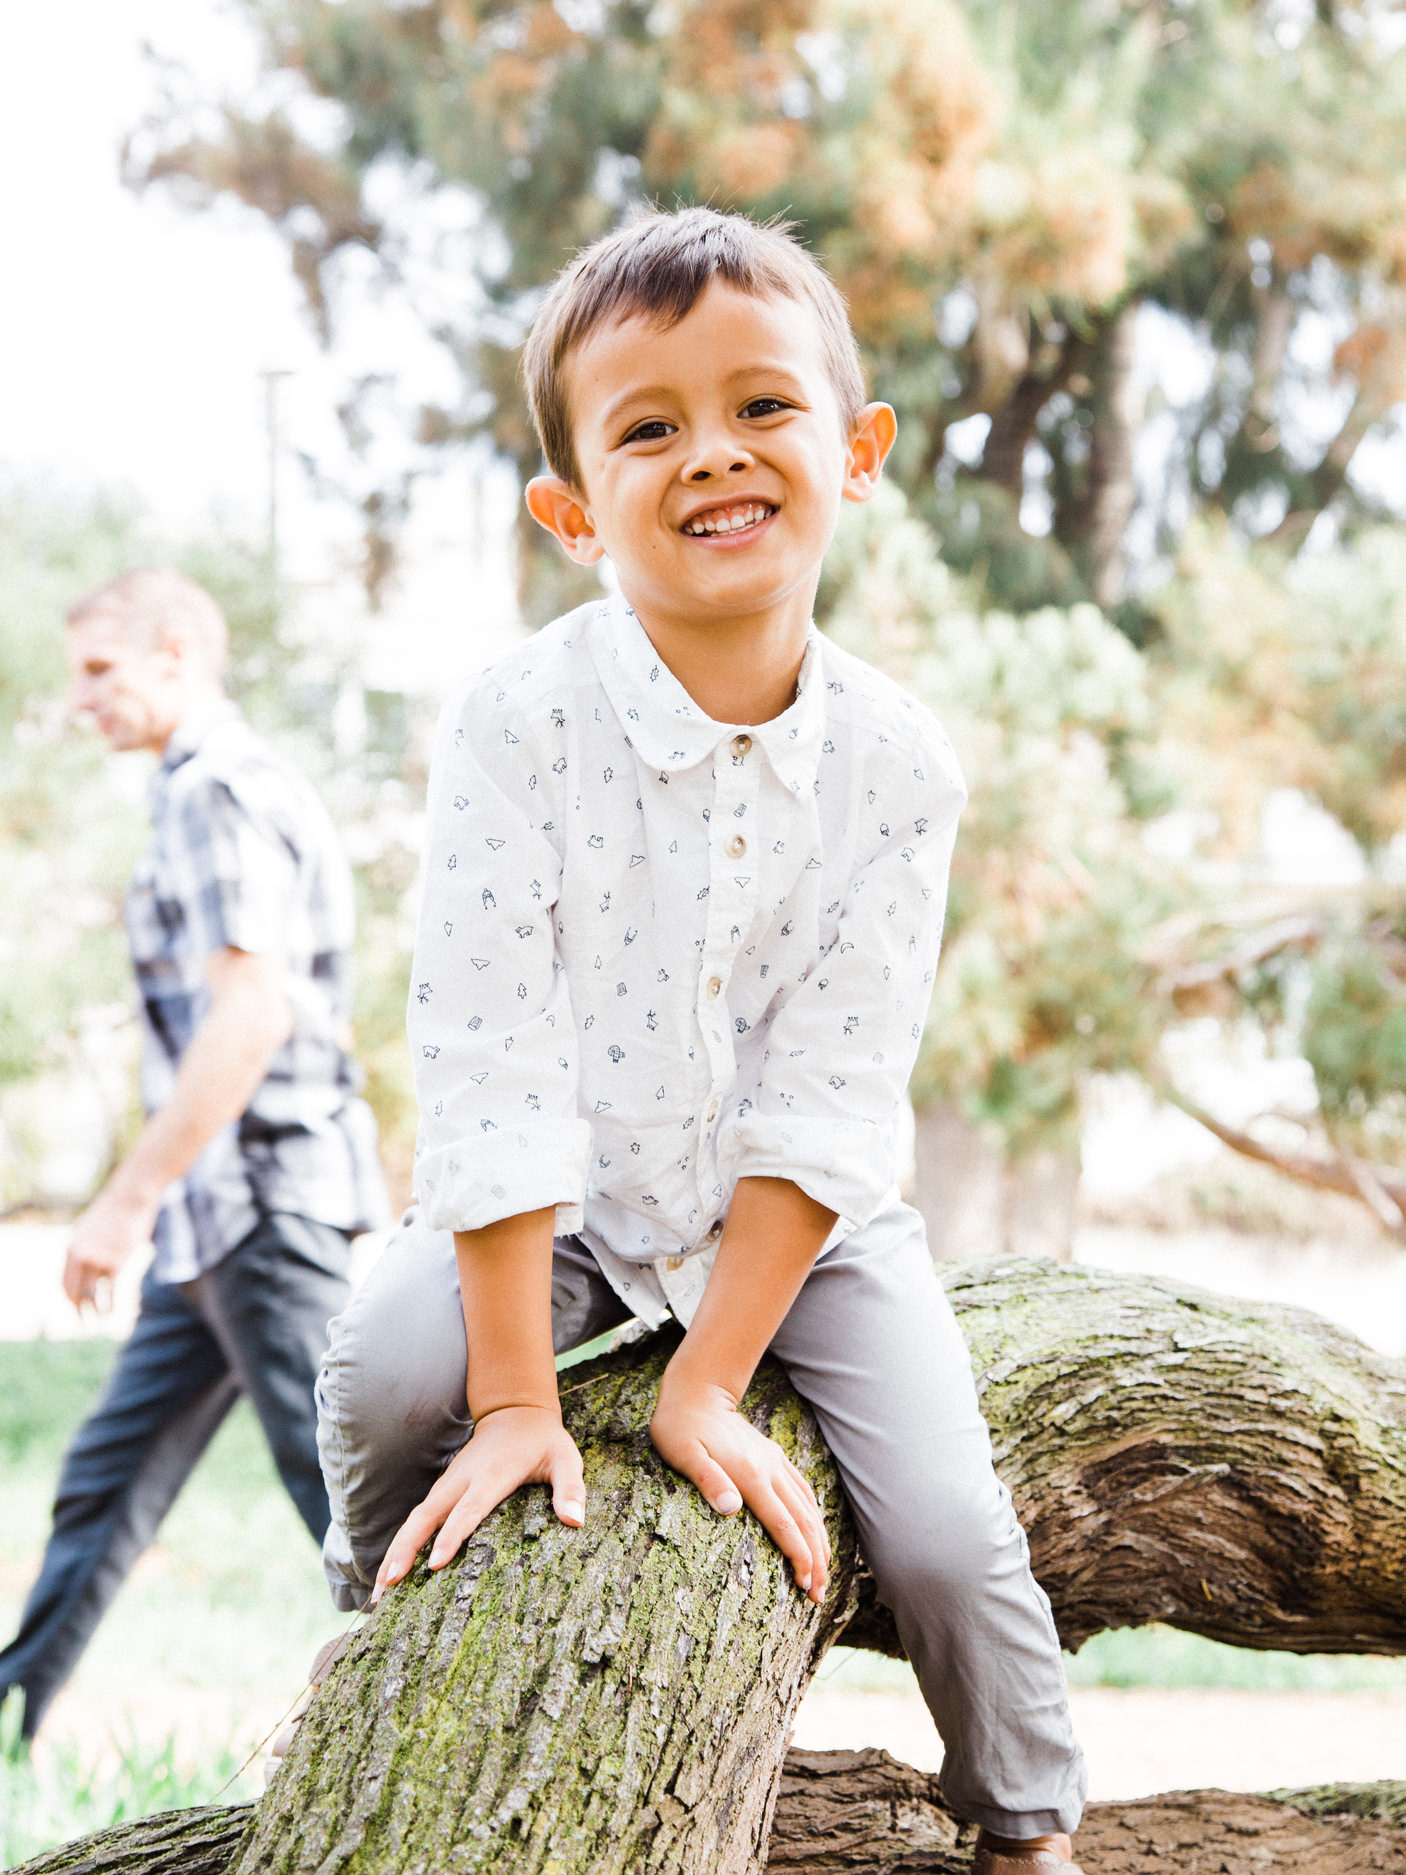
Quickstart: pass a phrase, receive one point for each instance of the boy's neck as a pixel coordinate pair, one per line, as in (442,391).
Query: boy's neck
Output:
(740,670)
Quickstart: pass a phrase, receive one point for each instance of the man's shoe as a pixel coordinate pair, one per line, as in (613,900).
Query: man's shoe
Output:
(1043,1855)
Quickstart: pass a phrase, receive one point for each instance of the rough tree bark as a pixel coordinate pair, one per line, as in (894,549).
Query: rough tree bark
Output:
(863,1813)
(618,1700)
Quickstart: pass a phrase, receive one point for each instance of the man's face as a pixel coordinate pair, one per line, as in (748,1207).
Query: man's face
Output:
(131,692)
(712,455)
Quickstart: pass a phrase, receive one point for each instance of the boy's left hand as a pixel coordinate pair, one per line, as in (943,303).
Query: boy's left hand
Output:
(698,1430)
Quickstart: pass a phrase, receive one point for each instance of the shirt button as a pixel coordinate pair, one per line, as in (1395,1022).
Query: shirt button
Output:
(736,846)
(715,1229)
(673,1263)
(740,745)
(715,985)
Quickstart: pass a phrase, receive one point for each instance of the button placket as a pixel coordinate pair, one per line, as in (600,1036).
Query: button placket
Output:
(732,898)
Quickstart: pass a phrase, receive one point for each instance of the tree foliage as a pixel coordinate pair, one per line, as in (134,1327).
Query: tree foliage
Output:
(1134,277)
(1001,190)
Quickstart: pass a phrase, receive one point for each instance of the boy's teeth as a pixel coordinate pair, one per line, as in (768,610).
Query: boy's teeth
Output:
(730,521)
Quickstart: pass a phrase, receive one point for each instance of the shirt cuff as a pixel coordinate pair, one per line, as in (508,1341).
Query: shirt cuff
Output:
(846,1165)
(471,1182)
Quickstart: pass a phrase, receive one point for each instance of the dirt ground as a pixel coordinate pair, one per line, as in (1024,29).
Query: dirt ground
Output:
(1139,1743)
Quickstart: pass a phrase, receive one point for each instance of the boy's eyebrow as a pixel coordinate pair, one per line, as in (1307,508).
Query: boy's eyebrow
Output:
(780,374)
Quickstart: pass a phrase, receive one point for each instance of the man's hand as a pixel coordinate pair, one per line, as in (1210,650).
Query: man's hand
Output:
(697,1429)
(511,1446)
(248,1020)
(109,1231)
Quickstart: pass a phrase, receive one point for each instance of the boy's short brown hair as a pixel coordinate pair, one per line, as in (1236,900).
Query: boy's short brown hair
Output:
(658,266)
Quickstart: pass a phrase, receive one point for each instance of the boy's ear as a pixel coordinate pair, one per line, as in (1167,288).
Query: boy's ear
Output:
(555,505)
(870,441)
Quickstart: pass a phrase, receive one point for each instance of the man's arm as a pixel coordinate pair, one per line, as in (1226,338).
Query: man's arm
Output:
(249,1019)
(505,1284)
(774,1233)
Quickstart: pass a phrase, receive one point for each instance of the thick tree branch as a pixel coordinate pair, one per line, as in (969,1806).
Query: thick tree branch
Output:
(1329,475)
(1111,489)
(1013,424)
(1380,1188)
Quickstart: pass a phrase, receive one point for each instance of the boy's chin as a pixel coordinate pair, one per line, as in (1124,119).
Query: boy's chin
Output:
(722,595)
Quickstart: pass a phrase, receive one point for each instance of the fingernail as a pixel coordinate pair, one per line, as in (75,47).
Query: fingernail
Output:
(804,1582)
(727,1502)
(376,1595)
(572,1509)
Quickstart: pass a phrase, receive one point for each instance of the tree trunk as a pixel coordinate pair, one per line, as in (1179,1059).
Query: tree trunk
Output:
(977,1201)
(607,1700)
(618,1699)
(1112,485)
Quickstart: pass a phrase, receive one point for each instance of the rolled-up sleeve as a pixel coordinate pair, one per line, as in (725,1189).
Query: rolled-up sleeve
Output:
(842,1048)
(490,1024)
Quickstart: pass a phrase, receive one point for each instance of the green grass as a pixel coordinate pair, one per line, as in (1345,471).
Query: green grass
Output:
(1166,1657)
(54,1796)
(206,1645)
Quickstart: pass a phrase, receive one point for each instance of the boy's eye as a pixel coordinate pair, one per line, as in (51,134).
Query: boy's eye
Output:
(652,430)
(764,406)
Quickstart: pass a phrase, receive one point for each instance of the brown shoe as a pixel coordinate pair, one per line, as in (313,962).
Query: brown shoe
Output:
(1043,1855)
(324,1660)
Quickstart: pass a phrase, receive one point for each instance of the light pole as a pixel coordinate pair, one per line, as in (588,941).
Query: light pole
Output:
(274,442)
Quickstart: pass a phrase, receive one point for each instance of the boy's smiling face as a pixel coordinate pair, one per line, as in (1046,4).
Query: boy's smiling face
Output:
(713,460)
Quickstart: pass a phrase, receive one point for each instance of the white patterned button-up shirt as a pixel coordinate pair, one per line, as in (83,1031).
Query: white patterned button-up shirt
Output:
(659,953)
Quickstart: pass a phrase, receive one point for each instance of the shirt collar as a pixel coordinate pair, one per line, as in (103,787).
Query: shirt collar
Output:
(669,730)
(189,735)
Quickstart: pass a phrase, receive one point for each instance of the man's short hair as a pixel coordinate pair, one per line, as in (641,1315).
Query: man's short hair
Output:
(658,266)
(151,605)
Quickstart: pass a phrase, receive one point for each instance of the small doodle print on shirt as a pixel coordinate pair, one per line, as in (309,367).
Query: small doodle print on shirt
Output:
(607,974)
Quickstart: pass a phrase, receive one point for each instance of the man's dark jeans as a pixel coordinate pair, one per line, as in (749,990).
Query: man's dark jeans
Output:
(256,1323)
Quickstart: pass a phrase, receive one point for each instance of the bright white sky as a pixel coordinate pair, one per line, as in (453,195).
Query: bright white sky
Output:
(132,336)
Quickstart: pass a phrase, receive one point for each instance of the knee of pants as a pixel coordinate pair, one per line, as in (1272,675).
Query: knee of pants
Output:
(956,1545)
(393,1381)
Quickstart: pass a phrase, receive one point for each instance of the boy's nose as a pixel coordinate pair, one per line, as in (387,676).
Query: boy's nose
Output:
(716,455)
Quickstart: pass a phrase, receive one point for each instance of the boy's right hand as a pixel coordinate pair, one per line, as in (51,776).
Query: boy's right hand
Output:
(510,1446)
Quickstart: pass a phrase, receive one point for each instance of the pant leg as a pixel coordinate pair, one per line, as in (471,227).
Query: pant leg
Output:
(168,1392)
(391,1394)
(872,1343)
(268,1303)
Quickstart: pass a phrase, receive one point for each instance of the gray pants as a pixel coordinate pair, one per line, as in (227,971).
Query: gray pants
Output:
(872,1344)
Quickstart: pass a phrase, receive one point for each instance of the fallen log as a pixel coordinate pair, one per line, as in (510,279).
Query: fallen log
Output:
(863,1813)
(617,1701)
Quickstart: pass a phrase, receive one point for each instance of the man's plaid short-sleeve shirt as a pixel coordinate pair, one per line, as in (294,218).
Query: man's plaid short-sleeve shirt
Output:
(242,855)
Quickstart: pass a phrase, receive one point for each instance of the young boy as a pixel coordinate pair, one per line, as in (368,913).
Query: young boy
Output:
(683,895)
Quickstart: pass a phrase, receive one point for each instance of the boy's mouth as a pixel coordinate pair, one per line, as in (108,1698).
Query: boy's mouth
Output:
(735,518)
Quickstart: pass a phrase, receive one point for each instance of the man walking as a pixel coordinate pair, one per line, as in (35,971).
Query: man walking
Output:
(257,1162)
